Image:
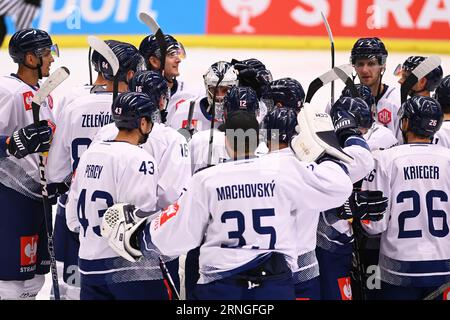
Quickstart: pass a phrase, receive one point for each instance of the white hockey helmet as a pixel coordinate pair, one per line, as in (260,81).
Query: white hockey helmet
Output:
(219,70)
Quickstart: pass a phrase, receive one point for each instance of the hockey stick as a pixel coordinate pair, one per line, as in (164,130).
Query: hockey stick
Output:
(54,80)
(168,279)
(438,292)
(330,36)
(347,79)
(157,31)
(186,131)
(419,72)
(325,78)
(213,115)
(90,66)
(103,49)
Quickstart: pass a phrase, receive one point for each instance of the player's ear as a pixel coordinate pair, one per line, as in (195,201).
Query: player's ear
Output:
(422,83)
(154,62)
(404,122)
(130,75)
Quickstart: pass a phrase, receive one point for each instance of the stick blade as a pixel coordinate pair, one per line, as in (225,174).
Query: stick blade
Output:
(53,81)
(149,21)
(102,48)
(428,65)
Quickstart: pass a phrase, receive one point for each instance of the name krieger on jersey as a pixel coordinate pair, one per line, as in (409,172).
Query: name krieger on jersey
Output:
(421,172)
(259,190)
(96,120)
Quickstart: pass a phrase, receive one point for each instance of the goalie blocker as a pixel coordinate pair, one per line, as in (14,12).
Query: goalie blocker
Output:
(316,137)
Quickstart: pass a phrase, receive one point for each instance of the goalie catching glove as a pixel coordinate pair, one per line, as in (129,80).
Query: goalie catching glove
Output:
(364,205)
(121,223)
(316,137)
(253,73)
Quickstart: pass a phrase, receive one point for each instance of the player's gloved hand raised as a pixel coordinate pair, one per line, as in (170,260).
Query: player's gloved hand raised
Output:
(253,73)
(30,139)
(364,205)
(121,224)
(344,123)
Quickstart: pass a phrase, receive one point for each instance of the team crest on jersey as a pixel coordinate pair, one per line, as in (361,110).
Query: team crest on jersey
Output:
(345,288)
(28,250)
(170,212)
(27,100)
(384,116)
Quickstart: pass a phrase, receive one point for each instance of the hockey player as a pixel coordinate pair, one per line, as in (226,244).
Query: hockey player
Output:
(335,234)
(442,95)
(377,136)
(222,73)
(109,172)
(249,248)
(179,91)
(23,239)
(425,85)
(287,92)
(368,57)
(237,98)
(165,144)
(79,121)
(415,239)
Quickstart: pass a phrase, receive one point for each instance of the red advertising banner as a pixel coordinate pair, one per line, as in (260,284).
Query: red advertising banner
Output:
(408,19)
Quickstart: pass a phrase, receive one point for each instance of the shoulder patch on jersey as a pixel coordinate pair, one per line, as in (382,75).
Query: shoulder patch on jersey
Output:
(27,100)
(170,212)
(384,116)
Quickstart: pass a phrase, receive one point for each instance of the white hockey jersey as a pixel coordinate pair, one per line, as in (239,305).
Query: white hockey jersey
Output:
(68,96)
(179,93)
(240,210)
(442,137)
(171,152)
(199,147)
(415,239)
(78,123)
(387,111)
(16,112)
(201,119)
(380,138)
(108,173)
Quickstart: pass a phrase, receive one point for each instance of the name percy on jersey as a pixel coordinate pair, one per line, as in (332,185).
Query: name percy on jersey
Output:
(248,190)
(96,120)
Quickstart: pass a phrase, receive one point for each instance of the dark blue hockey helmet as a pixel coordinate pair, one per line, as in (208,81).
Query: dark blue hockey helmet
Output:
(129,60)
(442,93)
(241,98)
(95,60)
(128,109)
(288,92)
(30,40)
(364,93)
(149,47)
(433,78)
(357,107)
(280,124)
(424,115)
(369,48)
(151,83)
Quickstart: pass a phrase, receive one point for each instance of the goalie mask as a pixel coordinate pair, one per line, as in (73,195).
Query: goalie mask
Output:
(223,76)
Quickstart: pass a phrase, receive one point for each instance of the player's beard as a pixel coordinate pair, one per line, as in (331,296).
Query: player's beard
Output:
(144,137)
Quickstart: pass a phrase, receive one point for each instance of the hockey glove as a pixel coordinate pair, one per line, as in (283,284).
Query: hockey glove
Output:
(344,124)
(30,139)
(364,205)
(253,73)
(121,224)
